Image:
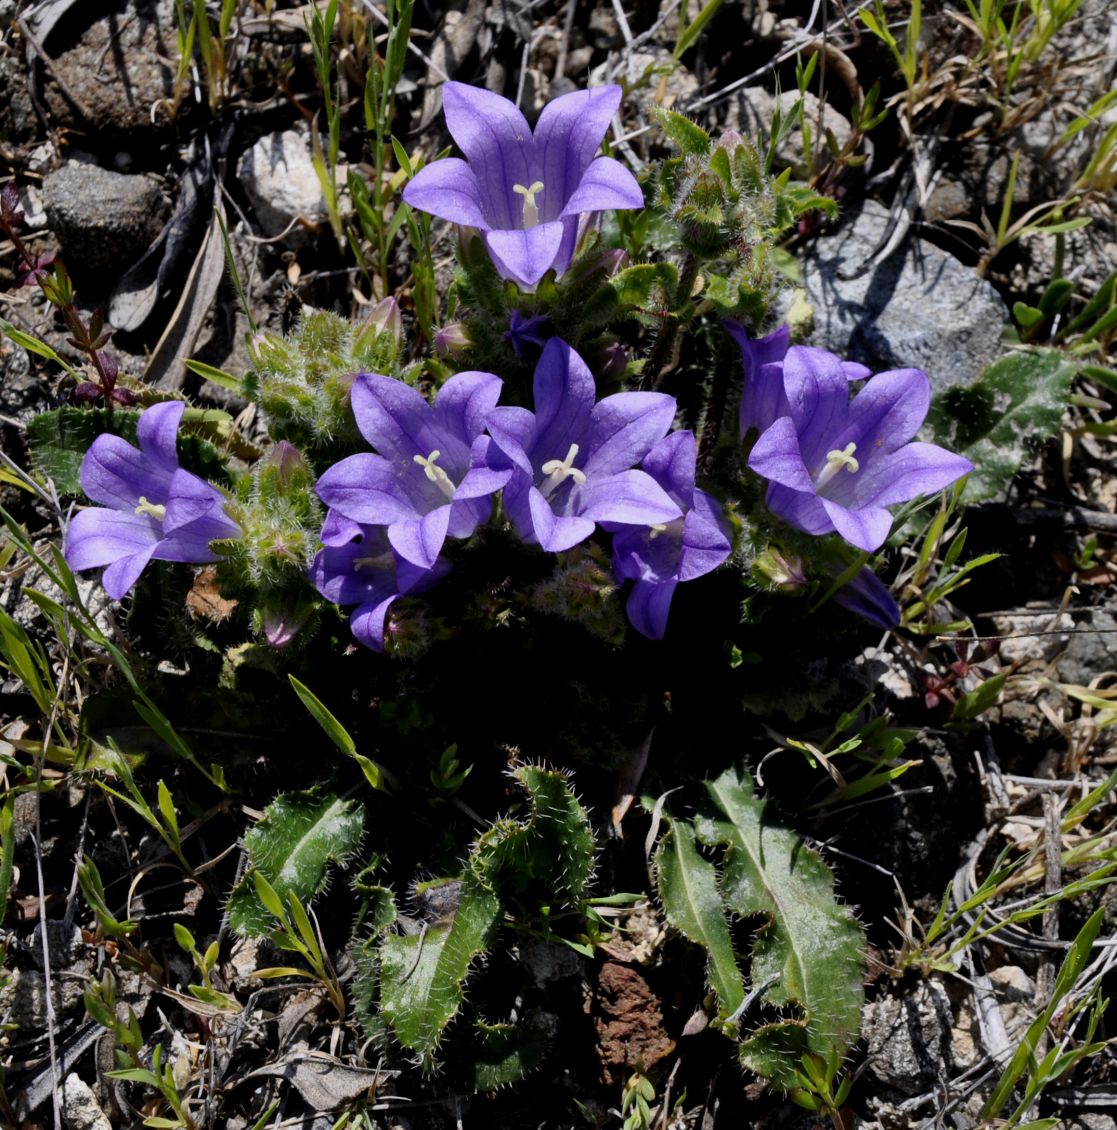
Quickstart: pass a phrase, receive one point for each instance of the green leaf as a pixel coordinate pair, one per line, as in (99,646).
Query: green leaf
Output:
(645,286)
(32,344)
(691,138)
(421,975)
(974,703)
(216,376)
(810,954)
(291,847)
(1016,402)
(693,905)
(499,1054)
(1026,315)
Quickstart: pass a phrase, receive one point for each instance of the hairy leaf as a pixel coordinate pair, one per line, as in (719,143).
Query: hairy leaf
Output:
(499,1054)
(693,905)
(809,955)
(299,836)
(1017,401)
(421,975)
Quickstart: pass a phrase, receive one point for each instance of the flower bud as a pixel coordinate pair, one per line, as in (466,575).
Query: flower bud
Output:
(730,139)
(452,340)
(385,318)
(86,393)
(282,620)
(780,571)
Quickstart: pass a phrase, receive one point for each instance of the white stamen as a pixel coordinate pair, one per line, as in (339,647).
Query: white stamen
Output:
(656,530)
(531,210)
(155,509)
(835,462)
(436,474)
(559,470)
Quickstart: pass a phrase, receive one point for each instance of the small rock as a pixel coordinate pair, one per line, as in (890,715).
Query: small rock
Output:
(103,220)
(1019,646)
(752,115)
(278,175)
(80,1109)
(919,308)
(1090,650)
(909,1038)
(1013,983)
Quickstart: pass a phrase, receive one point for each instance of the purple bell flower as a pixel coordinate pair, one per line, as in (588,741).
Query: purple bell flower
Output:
(529,194)
(151,509)
(660,556)
(359,566)
(867,597)
(429,480)
(834,464)
(571,461)
(523,332)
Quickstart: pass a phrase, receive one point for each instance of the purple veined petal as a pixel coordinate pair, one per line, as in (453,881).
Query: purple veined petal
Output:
(157,432)
(483,479)
(776,456)
(356,572)
(650,553)
(855,371)
(117,474)
(394,417)
(411,580)
(123,573)
(706,542)
(466,514)
(573,228)
(511,430)
(866,527)
(449,190)
(917,468)
(801,509)
(607,184)
(460,410)
(648,606)
(768,350)
(672,464)
(365,488)
(497,142)
(420,542)
(190,499)
(567,135)
(190,544)
(885,414)
(818,398)
(554,533)
(367,622)
(96,537)
(867,597)
(763,398)
(624,427)
(564,395)
(526,255)
(631,497)
(338,530)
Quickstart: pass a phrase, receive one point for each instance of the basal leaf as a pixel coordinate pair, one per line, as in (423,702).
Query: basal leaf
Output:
(1017,401)
(809,955)
(291,847)
(690,137)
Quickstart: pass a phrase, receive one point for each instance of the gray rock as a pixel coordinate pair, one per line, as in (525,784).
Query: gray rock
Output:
(909,1038)
(80,1109)
(1090,650)
(752,112)
(278,175)
(103,220)
(919,308)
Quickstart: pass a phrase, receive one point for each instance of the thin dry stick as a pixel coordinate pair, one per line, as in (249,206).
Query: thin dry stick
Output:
(1052,885)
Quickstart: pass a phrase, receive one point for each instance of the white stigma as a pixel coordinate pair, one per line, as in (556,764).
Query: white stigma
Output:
(152,508)
(531,209)
(835,462)
(559,470)
(436,474)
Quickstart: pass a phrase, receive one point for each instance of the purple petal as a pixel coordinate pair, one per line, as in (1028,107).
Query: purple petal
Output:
(460,409)
(448,189)
(606,184)
(706,543)
(554,533)
(97,537)
(866,596)
(917,468)
(763,398)
(624,427)
(855,371)
(886,413)
(648,606)
(339,530)
(367,622)
(866,527)
(123,573)
(483,479)
(775,455)
(818,399)
(671,463)
(633,498)
(365,488)
(393,417)
(421,542)
(466,514)
(567,136)
(157,432)
(801,509)
(116,474)
(511,430)
(564,395)
(525,256)
(497,142)
(191,499)
(356,572)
